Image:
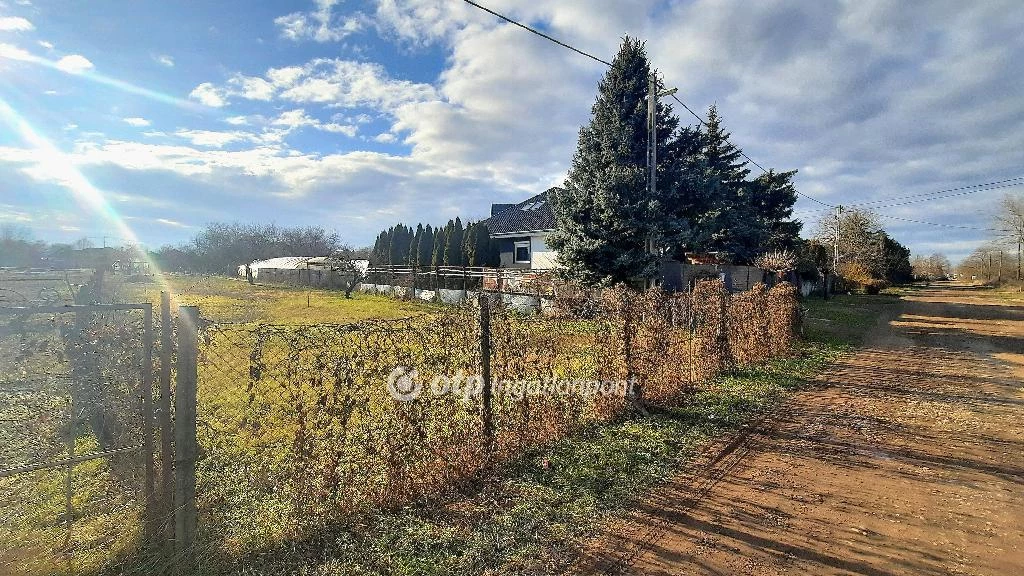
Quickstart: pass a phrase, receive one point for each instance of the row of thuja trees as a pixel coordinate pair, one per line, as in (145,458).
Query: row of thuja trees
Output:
(450,245)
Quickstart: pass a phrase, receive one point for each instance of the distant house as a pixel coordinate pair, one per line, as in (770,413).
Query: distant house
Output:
(522,231)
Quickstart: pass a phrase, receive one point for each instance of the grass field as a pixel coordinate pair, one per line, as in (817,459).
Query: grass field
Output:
(231,300)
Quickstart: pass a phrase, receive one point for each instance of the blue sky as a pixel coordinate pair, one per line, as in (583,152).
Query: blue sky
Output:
(150,119)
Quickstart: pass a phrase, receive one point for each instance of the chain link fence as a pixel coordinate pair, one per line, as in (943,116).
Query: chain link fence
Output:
(279,430)
(300,426)
(72,477)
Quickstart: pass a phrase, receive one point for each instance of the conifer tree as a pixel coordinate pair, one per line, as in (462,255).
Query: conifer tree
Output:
(414,246)
(606,217)
(773,197)
(726,221)
(425,252)
(440,238)
(453,245)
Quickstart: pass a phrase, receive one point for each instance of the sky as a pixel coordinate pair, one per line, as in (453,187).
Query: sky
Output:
(145,120)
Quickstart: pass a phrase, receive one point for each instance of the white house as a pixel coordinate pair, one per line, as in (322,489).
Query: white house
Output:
(522,230)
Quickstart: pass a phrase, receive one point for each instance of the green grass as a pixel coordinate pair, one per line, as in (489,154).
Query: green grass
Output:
(844,319)
(232,300)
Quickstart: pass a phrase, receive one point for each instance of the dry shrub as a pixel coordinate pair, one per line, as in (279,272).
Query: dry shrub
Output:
(784,317)
(531,354)
(709,308)
(748,326)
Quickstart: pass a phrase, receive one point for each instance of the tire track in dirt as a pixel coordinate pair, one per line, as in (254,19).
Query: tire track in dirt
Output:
(905,458)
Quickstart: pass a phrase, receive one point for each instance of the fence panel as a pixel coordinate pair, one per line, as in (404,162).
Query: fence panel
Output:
(75,472)
(298,426)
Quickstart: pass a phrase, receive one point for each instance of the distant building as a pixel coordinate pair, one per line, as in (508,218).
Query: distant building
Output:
(522,230)
(300,271)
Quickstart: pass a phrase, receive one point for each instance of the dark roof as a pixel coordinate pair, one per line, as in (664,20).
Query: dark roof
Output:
(498,208)
(529,215)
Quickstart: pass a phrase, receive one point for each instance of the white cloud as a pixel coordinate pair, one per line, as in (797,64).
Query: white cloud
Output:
(172,223)
(45,44)
(237,120)
(295,119)
(137,122)
(15,53)
(212,138)
(422,22)
(15,24)
(252,88)
(332,82)
(385,138)
(321,25)
(164,60)
(208,95)
(349,130)
(74,64)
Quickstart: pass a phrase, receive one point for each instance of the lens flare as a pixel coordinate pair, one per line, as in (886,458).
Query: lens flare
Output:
(18,54)
(60,168)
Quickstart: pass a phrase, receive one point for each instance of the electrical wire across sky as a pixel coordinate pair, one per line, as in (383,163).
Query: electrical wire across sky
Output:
(874,204)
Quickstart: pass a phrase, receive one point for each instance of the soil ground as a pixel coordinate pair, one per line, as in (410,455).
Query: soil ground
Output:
(904,458)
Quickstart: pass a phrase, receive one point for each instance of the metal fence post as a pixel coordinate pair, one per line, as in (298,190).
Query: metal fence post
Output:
(164,413)
(486,392)
(151,513)
(185,517)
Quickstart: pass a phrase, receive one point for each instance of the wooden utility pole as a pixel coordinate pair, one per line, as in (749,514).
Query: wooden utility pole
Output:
(149,463)
(653,94)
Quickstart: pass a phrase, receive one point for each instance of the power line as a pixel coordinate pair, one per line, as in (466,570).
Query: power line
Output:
(607,63)
(538,33)
(930,196)
(972,189)
(941,225)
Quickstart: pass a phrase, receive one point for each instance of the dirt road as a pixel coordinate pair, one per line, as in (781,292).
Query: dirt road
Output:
(905,458)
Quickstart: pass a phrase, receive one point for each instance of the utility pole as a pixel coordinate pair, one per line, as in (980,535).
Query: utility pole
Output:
(835,263)
(652,139)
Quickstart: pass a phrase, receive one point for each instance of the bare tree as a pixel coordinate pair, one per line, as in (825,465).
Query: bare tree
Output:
(859,236)
(934,267)
(986,263)
(350,266)
(1010,218)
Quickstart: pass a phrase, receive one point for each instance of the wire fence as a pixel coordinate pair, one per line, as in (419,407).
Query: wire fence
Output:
(71,436)
(300,426)
(279,430)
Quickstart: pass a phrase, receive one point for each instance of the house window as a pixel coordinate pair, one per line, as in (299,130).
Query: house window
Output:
(522,252)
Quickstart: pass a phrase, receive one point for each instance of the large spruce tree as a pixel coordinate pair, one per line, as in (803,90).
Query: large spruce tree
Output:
(773,196)
(726,221)
(605,215)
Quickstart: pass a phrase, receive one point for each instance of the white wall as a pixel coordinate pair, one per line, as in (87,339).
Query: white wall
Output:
(541,257)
